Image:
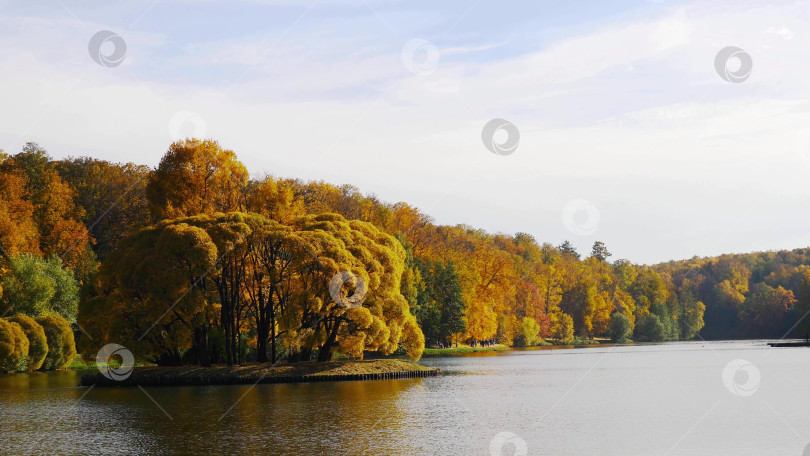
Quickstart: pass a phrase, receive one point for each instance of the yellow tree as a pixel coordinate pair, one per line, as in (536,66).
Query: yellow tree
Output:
(148,294)
(196,177)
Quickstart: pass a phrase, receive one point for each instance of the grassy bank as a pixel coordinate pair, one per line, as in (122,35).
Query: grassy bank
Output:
(462,349)
(311,371)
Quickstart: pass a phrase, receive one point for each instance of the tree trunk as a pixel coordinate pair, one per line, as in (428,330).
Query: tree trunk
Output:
(201,343)
(262,331)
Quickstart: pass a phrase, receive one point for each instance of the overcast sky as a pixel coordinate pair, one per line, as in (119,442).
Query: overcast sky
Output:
(627,132)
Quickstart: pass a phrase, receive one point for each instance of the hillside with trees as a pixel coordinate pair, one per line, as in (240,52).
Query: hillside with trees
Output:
(196,262)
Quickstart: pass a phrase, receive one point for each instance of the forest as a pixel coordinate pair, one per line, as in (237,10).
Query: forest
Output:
(195,262)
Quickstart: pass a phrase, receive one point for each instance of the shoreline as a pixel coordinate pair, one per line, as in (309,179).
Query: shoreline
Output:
(301,372)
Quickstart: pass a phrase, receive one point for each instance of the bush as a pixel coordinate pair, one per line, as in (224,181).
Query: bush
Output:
(620,328)
(650,329)
(13,347)
(37,342)
(61,345)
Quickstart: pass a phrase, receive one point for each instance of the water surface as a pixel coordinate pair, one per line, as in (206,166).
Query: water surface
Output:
(666,399)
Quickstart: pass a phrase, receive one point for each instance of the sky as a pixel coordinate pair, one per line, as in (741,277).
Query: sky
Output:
(583,121)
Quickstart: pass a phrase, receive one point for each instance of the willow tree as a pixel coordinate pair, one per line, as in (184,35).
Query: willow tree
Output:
(148,294)
(382,321)
(245,273)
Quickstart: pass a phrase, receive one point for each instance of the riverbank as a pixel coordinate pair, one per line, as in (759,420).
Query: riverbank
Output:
(463,349)
(311,371)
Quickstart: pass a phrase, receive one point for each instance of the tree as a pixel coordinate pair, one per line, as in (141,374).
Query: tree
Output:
(650,329)
(527,333)
(196,177)
(562,327)
(37,341)
(566,248)
(55,213)
(61,344)
(620,328)
(112,197)
(600,251)
(36,286)
(18,231)
(764,313)
(244,273)
(691,318)
(149,294)
(13,347)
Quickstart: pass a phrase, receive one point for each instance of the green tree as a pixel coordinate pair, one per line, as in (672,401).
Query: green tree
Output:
(650,329)
(37,286)
(566,248)
(620,328)
(600,251)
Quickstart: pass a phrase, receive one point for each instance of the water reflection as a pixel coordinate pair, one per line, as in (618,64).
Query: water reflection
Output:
(605,400)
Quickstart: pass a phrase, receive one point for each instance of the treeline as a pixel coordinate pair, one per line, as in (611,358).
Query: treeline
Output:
(753,295)
(459,283)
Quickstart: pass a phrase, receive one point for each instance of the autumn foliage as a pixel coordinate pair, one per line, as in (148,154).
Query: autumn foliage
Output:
(195,262)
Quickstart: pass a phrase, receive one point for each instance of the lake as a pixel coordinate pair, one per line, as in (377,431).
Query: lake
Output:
(663,399)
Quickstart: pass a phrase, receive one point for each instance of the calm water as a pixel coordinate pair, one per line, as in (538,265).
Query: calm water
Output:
(641,400)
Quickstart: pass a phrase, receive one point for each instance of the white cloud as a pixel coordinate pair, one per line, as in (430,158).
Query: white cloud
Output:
(631,117)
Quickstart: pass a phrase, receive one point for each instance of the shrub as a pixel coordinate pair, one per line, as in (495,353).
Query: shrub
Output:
(13,347)
(37,342)
(620,328)
(61,345)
